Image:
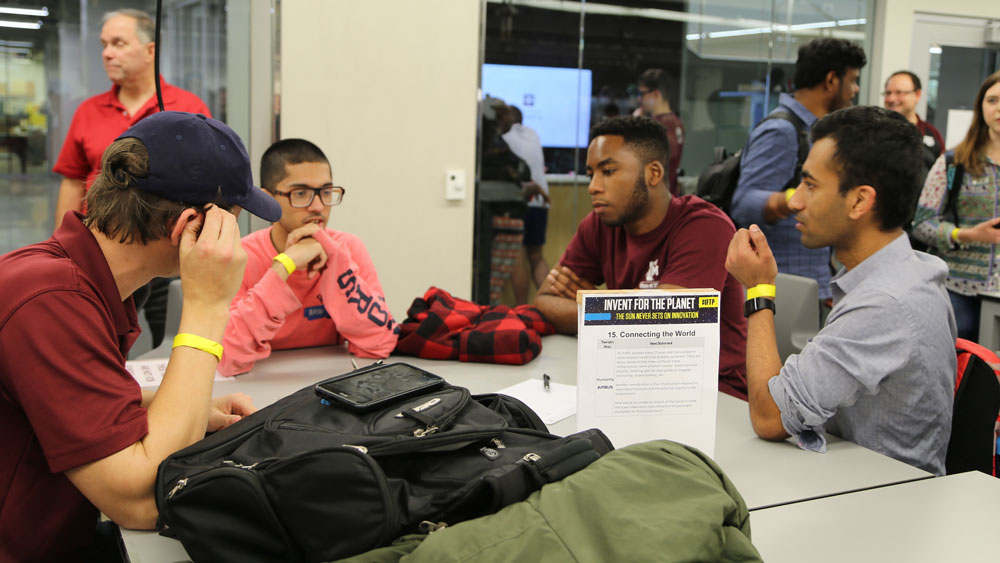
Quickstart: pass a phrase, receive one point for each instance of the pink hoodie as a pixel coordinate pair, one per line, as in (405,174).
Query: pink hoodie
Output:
(344,302)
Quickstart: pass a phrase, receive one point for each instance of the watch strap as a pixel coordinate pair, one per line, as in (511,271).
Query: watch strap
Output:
(756,304)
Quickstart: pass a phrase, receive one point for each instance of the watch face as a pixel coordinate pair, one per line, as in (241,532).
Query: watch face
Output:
(758,304)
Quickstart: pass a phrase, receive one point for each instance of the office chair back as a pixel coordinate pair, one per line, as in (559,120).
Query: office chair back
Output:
(175,298)
(797,317)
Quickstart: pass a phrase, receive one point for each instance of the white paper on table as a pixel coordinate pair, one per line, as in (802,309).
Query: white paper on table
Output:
(648,365)
(149,373)
(557,403)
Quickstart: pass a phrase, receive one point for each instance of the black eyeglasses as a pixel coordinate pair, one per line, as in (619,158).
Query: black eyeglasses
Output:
(303,197)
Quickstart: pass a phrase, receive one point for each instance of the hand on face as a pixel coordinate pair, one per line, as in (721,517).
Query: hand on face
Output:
(564,282)
(211,259)
(306,251)
(749,259)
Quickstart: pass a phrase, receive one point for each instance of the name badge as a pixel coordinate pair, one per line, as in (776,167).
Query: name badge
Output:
(316,312)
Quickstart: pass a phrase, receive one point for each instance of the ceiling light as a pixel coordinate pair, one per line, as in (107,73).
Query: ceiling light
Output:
(21,25)
(40,12)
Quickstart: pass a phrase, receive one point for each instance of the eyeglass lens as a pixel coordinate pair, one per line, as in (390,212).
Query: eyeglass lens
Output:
(303,197)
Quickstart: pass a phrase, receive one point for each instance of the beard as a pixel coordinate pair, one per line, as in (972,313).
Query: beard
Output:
(636,204)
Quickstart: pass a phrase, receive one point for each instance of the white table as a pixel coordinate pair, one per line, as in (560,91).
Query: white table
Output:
(765,473)
(953,518)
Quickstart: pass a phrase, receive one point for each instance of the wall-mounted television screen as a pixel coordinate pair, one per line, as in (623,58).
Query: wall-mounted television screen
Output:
(555,102)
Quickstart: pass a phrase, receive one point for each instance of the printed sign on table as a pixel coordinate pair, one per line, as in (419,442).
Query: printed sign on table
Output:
(648,365)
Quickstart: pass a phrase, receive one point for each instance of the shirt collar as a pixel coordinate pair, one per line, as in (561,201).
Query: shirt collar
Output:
(800,111)
(81,246)
(111,96)
(895,251)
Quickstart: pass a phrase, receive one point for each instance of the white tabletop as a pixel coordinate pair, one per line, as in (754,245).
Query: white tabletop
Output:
(765,473)
(953,518)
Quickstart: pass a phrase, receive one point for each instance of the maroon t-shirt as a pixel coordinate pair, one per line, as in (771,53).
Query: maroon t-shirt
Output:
(687,249)
(675,138)
(65,397)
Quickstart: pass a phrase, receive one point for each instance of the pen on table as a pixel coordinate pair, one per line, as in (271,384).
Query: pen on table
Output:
(545,381)
(355,364)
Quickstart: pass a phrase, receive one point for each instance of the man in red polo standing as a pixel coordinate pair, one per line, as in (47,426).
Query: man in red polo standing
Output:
(128,49)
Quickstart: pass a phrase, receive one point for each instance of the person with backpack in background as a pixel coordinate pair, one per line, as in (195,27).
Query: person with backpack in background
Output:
(958,212)
(826,79)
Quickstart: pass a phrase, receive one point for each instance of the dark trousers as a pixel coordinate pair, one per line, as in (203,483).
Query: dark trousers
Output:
(966,309)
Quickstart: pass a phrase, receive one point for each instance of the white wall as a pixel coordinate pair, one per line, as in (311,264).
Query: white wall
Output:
(388,90)
(894,32)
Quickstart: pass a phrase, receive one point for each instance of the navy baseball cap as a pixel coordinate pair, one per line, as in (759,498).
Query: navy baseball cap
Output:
(193,159)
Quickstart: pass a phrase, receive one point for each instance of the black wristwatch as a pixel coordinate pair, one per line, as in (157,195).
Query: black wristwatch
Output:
(758,304)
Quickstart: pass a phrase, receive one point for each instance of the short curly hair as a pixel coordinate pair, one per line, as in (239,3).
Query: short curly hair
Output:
(818,57)
(646,136)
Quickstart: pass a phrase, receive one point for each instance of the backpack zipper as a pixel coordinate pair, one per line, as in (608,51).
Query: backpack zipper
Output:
(177,487)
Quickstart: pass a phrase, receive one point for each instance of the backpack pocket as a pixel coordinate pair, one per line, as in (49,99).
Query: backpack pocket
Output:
(248,530)
(318,505)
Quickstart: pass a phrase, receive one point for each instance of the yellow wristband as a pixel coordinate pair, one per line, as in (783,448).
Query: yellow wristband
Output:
(954,234)
(788,194)
(287,262)
(199,343)
(761,290)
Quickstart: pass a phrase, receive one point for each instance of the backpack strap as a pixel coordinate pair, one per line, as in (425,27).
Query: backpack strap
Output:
(802,133)
(956,175)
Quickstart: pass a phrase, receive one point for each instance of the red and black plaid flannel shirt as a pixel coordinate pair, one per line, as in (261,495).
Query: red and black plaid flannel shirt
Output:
(441,327)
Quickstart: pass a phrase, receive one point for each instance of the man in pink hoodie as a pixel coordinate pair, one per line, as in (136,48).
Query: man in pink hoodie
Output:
(305,284)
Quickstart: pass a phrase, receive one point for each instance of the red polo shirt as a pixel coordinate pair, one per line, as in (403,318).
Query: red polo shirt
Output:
(65,397)
(100,119)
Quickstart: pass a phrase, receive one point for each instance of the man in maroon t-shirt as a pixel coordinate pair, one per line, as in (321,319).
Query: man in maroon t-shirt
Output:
(654,101)
(639,236)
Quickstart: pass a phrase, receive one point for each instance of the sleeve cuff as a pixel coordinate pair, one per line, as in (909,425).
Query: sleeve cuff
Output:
(276,296)
(806,437)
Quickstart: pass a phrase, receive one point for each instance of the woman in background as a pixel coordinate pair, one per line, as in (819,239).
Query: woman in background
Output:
(968,244)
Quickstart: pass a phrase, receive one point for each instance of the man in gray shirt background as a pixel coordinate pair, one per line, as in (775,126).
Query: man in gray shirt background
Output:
(881,372)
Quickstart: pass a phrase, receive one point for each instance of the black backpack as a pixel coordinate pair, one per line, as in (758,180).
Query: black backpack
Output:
(718,180)
(304,481)
(975,422)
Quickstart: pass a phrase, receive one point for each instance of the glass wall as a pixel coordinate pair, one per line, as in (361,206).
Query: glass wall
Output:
(50,61)
(727,63)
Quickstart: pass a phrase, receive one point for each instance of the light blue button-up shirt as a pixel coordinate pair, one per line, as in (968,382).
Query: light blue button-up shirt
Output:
(881,373)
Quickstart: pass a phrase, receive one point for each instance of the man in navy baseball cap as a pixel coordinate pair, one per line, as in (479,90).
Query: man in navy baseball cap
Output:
(81,435)
(196,159)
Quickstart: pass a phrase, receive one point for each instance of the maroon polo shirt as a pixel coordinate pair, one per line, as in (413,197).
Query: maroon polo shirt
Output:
(99,120)
(687,249)
(65,397)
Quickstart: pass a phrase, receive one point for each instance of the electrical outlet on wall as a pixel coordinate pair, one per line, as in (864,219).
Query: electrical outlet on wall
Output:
(454,185)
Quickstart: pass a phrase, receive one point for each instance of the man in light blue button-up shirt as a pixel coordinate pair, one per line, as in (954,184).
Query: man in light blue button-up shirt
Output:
(826,79)
(881,373)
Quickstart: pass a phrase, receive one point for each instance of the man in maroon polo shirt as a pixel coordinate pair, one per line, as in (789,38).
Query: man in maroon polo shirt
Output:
(128,49)
(640,237)
(78,435)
